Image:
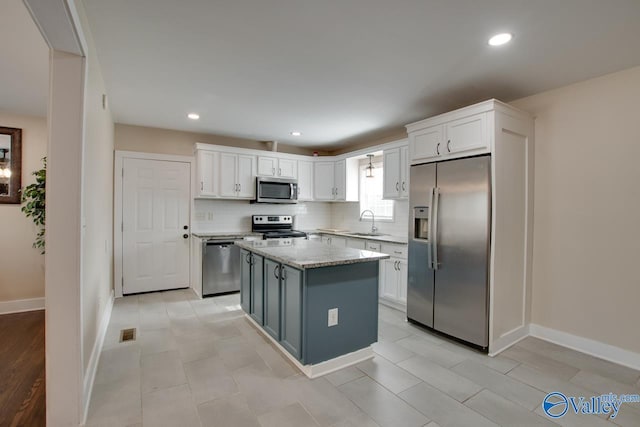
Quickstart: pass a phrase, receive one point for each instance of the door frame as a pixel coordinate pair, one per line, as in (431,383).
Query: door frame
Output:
(118,165)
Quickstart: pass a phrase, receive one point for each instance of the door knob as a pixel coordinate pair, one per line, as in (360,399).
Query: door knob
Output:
(185,236)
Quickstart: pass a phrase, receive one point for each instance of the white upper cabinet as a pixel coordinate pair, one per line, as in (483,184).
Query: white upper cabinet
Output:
(395,173)
(323,176)
(340,180)
(237,176)
(277,167)
(305,180)
(207,174)
(456,135)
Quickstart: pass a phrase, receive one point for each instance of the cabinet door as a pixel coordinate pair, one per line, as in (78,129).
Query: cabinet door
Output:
(389,285)
(404,172)
(257,288)
(355,243)
(246,177)
(427,143)
(207,166)
(402,281)
(245,281)
(467,134)
(291,309)
(267,166)
(340,180)
(228,172)
(272,298)
(305,180)
(326,240)
(287,168)
(391,174)
(323,173)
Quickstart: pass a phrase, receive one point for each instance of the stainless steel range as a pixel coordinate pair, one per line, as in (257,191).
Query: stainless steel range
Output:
(275,227)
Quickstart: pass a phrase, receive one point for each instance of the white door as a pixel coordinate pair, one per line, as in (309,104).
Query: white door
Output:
(267,166)
(155,210)
(340,180)
(389,276)
(402,281)
(391,173)
(305,180)
(228,174)
(246,176)
(287,168)
(323,181)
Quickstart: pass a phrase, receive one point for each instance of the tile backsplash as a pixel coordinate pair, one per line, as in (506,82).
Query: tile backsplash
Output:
(235,215)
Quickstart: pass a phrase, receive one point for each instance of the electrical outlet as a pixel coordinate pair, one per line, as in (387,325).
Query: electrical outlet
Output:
(332,317)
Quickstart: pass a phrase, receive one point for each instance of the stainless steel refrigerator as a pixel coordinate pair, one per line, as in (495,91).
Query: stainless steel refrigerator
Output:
(449,248)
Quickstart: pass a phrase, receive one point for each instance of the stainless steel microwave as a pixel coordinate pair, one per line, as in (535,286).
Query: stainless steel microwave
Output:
(276,190)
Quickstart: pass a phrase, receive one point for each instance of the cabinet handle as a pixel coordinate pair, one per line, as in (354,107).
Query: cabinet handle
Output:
(247,258)
(279,171)
(397,186)
(397,252)
(273,171)
(275,269)
(438,148)
(252,259)
(201,185)
(404,188)
(449,145)
(283,273)
(239,188)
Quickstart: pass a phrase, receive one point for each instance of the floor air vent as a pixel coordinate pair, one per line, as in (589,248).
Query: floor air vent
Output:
(128,335)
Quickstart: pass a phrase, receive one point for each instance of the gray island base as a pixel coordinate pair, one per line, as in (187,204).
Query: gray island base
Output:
(318,304)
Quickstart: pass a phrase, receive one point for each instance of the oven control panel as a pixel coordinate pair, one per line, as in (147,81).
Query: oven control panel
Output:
(272,219)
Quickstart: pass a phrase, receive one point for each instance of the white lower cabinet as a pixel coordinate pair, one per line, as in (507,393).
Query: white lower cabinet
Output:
(393,281)
(356,243)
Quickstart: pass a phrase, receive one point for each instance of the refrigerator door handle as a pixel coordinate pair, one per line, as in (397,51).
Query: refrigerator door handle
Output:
(434,231)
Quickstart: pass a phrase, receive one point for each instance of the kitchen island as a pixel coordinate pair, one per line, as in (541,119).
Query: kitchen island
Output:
(319,304)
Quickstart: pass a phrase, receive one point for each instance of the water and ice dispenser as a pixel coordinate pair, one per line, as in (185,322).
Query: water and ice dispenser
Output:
(421,223)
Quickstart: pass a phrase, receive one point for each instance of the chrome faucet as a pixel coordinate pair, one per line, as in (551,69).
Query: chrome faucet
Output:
(373,220)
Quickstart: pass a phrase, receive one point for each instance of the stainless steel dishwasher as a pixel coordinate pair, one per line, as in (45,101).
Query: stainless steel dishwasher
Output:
(220,267)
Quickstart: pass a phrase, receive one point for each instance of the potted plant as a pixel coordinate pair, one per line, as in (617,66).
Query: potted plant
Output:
(33,198)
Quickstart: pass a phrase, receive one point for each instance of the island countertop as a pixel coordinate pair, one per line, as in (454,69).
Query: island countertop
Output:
(305,254)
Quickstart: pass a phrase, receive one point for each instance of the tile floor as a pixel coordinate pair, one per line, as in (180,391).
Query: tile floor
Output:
(200,363)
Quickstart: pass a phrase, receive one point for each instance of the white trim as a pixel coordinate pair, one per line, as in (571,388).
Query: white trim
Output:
(322,368)
(21,305)
(94,359)
(508,339)
(588,346)
(118,164)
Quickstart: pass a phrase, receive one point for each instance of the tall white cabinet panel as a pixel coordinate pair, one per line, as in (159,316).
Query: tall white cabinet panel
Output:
(237,176)
(404,172)
(246,177)
(340,180)
(323,178)
(207,170)
(305,180)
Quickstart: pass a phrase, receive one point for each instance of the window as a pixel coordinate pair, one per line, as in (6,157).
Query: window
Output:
(371,194)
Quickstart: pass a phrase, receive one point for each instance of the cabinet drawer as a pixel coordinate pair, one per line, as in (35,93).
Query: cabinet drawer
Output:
(397,251)
(372,246)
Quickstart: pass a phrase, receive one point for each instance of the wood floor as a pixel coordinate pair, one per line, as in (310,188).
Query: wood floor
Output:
(22,387)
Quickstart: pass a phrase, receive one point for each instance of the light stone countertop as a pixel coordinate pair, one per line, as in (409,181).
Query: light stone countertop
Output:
(304,254)
(385,238)
(226,234)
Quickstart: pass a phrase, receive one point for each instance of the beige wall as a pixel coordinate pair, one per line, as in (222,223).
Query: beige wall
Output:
(22,266)
(97,201)
(166,141)
(372,140)
(587,208)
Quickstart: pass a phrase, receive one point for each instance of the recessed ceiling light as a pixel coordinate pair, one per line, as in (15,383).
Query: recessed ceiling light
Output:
(193,116)
(500,39)
(296,133)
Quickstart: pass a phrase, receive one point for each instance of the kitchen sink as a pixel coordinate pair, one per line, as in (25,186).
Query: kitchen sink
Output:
(368,234)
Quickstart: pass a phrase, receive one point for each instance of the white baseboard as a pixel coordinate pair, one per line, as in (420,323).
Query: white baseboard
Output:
(322,368)
(585,345)
(94,359)
(20,305)
(508,339)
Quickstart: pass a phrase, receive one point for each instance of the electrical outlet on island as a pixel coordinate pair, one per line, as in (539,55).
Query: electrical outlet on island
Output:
(333,317)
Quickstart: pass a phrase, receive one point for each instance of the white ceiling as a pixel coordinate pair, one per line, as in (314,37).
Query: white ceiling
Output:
(24,62)
(335,70)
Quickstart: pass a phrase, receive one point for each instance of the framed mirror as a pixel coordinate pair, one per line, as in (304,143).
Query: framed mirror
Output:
(10,164)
